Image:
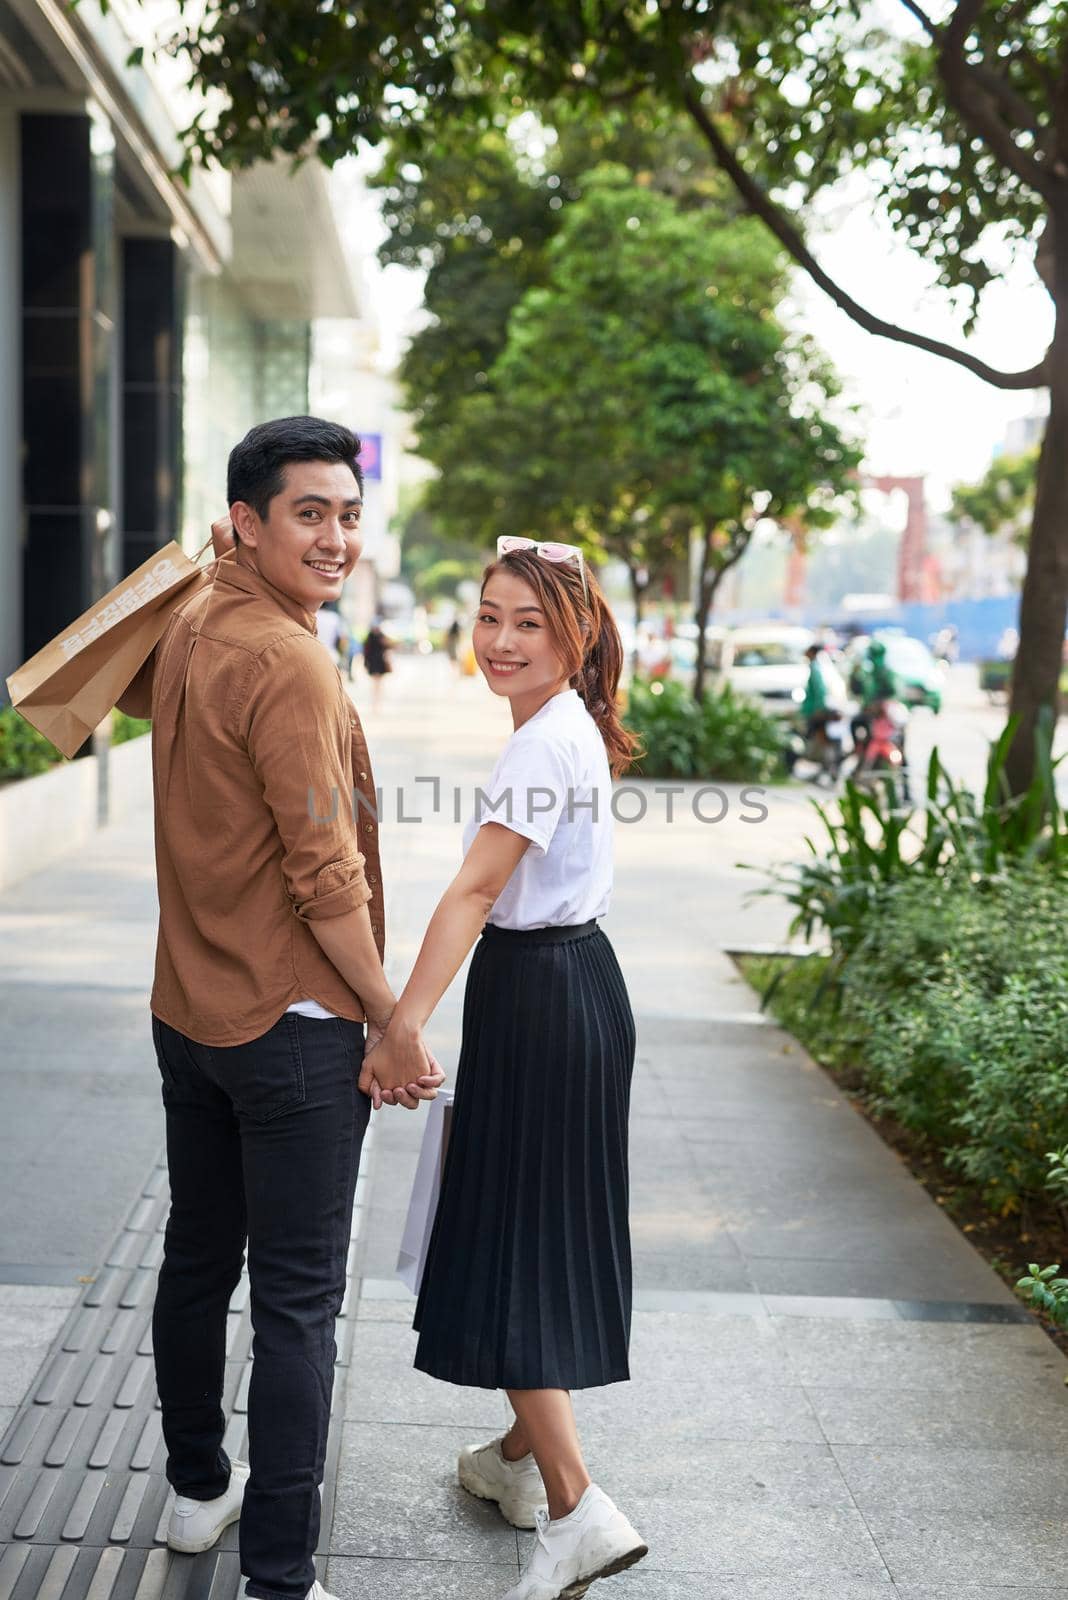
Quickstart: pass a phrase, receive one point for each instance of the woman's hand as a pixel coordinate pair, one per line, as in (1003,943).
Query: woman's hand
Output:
(398,1069)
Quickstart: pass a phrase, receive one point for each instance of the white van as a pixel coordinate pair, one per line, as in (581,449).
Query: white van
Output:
(767,662)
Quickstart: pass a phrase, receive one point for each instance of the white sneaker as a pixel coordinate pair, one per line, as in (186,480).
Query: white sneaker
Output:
(593,1541)
(196,1524)
(483,1470)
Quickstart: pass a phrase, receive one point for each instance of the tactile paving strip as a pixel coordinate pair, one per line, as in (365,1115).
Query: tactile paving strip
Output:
(84,1502)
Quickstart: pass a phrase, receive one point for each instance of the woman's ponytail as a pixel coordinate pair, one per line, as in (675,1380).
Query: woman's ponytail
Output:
(598,681)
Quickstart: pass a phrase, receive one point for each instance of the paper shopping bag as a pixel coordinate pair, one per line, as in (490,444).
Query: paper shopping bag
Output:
(422,1208)
(69,686)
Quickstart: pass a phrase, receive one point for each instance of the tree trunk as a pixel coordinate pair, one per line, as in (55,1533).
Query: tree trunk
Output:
(1044,601)
(702,605)
(637,594)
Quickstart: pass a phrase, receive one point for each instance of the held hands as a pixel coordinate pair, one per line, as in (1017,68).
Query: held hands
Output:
(398,1069)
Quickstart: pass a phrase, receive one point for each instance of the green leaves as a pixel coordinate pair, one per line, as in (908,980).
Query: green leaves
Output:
(724,736)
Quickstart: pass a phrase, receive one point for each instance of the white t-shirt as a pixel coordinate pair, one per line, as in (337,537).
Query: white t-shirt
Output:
(553,786)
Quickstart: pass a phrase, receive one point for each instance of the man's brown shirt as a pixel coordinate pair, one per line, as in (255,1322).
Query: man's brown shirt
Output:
(264,810)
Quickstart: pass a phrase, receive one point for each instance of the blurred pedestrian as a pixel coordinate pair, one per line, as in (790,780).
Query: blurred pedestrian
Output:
(453,635)
(376,652)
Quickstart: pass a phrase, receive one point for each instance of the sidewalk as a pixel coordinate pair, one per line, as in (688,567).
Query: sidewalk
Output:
(833,1397)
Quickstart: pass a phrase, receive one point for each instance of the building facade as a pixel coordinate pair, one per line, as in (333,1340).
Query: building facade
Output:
(145,324)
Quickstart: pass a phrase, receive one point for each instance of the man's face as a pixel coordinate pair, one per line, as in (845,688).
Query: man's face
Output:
(310,540)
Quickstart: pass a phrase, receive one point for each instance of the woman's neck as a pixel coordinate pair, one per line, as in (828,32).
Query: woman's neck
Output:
(528,706)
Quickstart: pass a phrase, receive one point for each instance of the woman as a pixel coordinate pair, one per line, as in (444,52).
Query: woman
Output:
(527,1285)
(376,648)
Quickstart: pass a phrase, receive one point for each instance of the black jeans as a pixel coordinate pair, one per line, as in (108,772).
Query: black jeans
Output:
(263,1141)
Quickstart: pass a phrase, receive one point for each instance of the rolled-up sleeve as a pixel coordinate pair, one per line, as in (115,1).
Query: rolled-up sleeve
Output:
(298,740)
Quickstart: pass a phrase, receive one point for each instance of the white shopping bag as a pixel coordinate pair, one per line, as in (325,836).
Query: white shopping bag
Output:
(423,1205)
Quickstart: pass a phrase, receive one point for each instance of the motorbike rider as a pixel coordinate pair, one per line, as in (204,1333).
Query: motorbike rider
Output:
(824,692)
(874,683)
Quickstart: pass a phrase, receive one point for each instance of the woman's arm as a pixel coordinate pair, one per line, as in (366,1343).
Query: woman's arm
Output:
(457,922)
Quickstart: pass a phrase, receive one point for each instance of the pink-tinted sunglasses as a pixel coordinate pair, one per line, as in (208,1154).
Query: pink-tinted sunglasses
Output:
(547,550)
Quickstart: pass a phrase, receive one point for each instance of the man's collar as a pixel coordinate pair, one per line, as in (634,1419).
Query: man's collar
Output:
(241,572)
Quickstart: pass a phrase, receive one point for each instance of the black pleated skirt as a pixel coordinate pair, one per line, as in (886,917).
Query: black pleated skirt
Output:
(527,1282)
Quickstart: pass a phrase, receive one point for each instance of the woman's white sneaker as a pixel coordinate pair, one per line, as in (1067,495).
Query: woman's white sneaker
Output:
(516,1486)
(593,1541)
(195,1525)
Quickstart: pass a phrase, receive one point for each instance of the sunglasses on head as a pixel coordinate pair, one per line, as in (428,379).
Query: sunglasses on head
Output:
(508,544)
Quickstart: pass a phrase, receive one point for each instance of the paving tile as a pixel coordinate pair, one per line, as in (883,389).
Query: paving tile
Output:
(398,1497)
(354,1579)
(921,1355)
(931,1548)
(957,1274)
(384,1386)
(954,1592)
(682,1269)
(723,1537)
(648,1583)
(30,1317)
(890,1478)
(726,1410)
(678,1460)
(1018,1418)
(667,1344)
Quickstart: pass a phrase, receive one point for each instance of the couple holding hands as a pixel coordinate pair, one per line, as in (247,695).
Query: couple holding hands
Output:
(277,1033)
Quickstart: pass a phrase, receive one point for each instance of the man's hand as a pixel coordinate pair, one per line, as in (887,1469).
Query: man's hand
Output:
(398,1069)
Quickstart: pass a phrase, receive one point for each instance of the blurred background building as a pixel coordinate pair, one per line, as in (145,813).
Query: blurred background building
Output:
(145,324)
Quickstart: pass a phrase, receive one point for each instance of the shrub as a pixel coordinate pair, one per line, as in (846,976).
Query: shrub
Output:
(959,989)
(23,751)
(872,843)
(724,736)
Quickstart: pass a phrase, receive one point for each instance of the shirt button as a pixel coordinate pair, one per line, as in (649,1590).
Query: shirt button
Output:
(363,777)
(370,827)
(374,927)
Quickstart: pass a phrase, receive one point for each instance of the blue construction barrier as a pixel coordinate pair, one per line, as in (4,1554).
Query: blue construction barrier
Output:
(980,624)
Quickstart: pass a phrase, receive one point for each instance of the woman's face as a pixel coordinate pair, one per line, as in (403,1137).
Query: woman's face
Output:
(512,642)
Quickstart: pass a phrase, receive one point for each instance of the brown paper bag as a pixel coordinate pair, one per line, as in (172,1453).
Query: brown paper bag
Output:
(69,686)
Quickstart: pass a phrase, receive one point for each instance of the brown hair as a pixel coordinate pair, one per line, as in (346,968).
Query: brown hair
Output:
(584,632)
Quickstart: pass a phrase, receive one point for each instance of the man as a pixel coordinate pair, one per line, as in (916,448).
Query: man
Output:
(874,682)
(824,690)
(268,967)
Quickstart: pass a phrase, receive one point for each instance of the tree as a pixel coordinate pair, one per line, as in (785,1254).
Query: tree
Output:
(1003,500)
(962,125)
(646,393)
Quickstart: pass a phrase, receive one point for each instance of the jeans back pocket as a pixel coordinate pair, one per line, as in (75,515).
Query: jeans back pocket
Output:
(264,1077)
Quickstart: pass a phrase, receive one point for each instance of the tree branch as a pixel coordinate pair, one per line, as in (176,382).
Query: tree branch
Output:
(1007,97)
(761,204)
(923,19)
(966,94)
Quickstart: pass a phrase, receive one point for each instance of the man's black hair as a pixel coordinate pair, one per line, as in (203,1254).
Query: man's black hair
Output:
(256,470)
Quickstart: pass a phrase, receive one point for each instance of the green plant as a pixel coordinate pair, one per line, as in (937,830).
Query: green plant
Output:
(959,989)
(872,843)
(1041,1285)
(23,751)
(1046,1292)
(124,728)
(722,736)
